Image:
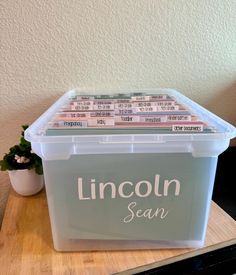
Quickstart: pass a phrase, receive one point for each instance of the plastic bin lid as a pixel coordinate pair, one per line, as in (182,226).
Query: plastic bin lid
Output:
(159,118)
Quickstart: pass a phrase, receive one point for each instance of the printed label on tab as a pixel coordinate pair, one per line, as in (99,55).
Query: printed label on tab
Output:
(140,98)
(122,100)
(153,119)
(104,107)
(128,111)
(187,128)
(73,115)
(101,122)
(166,103)
(158,97)
(81,103)
(102,114)
(144,104)
(126,105)
(119,119)
(171,118)
(80,107)
(149,109)
(68,124)
(167,108)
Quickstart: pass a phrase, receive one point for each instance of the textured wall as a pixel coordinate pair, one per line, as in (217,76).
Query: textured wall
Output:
(51,46)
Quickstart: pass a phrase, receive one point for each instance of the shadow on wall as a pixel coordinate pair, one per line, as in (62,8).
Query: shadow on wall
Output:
(223,104)
(24,114)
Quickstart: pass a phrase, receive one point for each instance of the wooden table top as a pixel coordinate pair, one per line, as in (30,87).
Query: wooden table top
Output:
(26,244)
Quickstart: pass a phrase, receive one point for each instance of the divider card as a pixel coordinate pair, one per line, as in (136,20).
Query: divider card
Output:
(127,111)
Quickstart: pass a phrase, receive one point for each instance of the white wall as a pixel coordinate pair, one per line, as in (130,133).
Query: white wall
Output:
(51,46)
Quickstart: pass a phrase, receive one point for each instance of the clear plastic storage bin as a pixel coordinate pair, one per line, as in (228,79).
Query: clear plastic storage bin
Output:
(130,170)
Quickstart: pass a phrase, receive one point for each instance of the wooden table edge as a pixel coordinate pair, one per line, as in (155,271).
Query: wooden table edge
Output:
(184,256)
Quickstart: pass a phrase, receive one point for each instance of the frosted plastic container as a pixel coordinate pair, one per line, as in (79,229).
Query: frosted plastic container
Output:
(117,188)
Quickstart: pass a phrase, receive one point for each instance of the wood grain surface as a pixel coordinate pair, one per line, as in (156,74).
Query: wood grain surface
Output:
(26,243)
(4,191)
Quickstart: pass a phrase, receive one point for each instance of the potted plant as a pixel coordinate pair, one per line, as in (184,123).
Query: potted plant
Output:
(24,167)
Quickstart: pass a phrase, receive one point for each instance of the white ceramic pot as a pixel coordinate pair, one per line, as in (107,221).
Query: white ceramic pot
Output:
(26,182)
